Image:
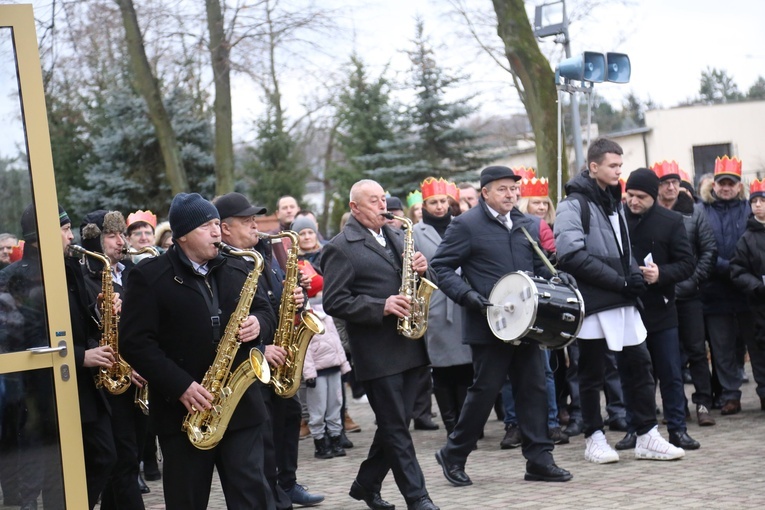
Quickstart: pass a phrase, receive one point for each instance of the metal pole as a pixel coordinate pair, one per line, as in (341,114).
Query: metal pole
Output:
(560,151)
(576,127)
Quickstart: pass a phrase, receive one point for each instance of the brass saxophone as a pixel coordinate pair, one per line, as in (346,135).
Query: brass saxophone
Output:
(115,379)
(141,399)
(294,339)
(416,288)
(205,429)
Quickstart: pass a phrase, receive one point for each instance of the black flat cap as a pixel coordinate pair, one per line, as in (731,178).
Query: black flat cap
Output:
(394,204)
(494,173)
(236,205)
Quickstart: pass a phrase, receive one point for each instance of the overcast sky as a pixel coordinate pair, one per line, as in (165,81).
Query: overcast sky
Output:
(669,43)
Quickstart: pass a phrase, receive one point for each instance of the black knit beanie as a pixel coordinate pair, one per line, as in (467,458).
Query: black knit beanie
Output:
(188,211)
(644,180)
(29,222)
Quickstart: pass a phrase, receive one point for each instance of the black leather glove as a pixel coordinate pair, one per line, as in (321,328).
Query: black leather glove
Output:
(566,279)
(476,301)
(634,286)
(759,292)
(310,383)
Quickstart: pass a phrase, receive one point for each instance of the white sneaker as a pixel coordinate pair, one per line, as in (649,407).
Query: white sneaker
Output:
(597,450)
(654,447)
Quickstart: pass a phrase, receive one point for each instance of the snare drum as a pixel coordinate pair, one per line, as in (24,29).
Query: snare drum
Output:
(546,311)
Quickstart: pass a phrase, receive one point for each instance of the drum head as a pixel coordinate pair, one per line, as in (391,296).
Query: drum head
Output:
(514,306)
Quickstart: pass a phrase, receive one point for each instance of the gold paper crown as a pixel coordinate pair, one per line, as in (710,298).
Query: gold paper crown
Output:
(728,166)
(414,198)
(666,169)
(757,187)
(146,216)
(530,185)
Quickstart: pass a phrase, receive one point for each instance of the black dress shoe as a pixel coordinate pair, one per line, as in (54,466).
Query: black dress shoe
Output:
(424,503)
(574,428)
(683,440)
(546,473)
(425,423)
(372,499)
(454,473)
(618,425)
(628,442)
(152,475)
(142,485)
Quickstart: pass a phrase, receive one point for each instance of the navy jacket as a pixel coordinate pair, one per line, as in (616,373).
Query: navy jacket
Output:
(486,251)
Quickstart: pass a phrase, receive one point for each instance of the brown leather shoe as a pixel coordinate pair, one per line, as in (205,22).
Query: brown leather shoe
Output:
(304,431)
(732,406)
(349,424)
(704,418)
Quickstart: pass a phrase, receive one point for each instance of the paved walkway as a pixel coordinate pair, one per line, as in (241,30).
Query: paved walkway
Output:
(727,472)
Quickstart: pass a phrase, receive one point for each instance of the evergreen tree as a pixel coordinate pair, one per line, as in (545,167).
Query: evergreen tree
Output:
(429,140)
(364,119)
(127,169)
(717,86)
(274,166)
(757,90)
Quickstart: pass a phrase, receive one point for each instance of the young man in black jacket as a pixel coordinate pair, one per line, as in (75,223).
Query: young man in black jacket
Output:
(177,307)
(660,243)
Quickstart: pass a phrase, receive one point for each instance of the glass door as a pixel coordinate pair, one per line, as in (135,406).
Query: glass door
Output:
(41,459)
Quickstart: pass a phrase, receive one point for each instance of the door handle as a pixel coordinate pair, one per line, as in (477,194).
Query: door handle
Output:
(60,349)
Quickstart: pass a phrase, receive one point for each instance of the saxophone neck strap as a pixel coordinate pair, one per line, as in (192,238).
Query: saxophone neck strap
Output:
(207,288)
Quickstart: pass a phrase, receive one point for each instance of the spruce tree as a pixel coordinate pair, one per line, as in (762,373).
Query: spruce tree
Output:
(431,139)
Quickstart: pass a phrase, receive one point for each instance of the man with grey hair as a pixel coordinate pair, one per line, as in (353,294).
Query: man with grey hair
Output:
(362,274)
(7,242)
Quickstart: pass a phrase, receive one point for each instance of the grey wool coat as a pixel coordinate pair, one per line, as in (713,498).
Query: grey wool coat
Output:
(359,276)
(444,334)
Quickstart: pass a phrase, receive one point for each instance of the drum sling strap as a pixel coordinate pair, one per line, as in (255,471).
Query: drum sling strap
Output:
(542,256)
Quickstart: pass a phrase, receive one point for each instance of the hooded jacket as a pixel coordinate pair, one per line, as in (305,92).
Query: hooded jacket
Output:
(703,246)
(594,259)
(727,218)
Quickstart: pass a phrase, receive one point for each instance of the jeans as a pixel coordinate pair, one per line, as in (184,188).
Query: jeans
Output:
(552,402)
(664,347)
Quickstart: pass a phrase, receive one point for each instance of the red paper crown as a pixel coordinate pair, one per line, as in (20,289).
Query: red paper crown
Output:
(757,187)
(623,184)
(666,169)
(439,187)
(530,185)
(17,252)
(685,177)
(146,216)
(728,166)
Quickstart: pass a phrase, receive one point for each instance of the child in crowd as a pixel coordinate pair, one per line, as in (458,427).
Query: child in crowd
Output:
(325,362)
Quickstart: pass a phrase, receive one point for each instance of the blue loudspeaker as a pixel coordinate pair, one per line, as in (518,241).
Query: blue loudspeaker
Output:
(589,66)
(618,67)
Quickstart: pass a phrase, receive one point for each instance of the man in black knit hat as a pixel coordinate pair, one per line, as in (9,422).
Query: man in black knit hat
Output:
(661,246)
(177,307)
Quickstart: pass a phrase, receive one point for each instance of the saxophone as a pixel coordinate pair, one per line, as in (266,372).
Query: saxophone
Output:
(205,429)
(115,379)
(141,399)
(293,339)
(417,289)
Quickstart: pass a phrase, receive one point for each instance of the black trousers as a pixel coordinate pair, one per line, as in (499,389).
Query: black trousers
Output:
(492,364)
(128,423)
(690,317)
(281,437)
(188,471)
(100,455)
(638,386)
(392,400)
(423,403)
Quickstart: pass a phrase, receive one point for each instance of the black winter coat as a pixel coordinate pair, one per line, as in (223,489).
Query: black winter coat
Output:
(486,251)
(747,270)
(727,218)
(703,246)
(661,233)
(168,337)
(359,276)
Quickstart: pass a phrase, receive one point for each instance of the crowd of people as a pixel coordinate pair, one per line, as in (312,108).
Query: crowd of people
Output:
(672,283)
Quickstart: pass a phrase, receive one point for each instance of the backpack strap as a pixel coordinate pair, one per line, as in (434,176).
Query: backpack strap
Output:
(584,205)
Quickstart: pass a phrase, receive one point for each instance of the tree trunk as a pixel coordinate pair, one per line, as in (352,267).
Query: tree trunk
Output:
(146,84)
(539,94)
(224,141)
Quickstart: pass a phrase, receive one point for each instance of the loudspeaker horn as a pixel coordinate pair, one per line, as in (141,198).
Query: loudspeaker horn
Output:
(619,67)
(589,66)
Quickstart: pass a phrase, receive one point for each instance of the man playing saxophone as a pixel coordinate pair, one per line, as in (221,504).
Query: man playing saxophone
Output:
(362,269)
(177,307)
(281,435)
